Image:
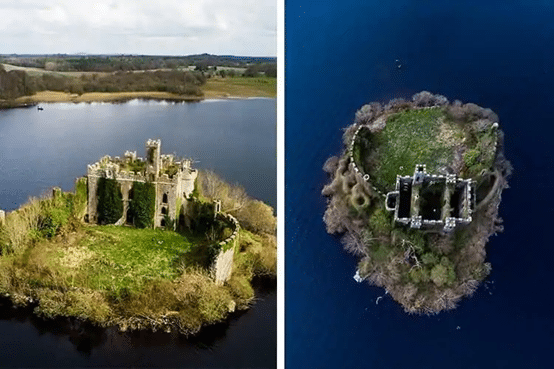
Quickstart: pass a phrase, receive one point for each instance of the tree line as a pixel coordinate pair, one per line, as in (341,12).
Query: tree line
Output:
(15,83)
(114,63)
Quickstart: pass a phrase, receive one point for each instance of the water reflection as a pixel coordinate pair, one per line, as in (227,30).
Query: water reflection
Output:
(229,343)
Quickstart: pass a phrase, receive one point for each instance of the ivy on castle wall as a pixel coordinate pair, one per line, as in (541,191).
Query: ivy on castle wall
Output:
(143,204)
(80,199)
(195,192)
(110,201)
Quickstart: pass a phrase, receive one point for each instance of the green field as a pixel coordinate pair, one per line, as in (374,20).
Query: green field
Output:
(410,137)
(240,87)
(128,257)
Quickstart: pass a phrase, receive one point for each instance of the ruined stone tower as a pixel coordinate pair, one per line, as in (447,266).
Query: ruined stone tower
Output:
(173,182)
(153,148)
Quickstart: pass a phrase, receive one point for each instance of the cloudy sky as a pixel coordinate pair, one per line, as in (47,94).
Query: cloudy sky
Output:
(153,27)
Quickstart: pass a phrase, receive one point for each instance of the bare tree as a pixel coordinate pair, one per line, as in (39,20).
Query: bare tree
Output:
(368,112)
(331,164)
(423,98)
(233,197)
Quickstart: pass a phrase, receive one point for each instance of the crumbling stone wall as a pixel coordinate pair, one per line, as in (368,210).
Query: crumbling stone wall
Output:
(223,263)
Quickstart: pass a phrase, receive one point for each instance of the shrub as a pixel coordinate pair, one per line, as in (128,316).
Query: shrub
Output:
(380,221)
(443,273)
(418,275)
(203,216)
(137,166)
(52,220)
(257,217)
(471,157)
(439,275)
(195,192)
(169,223)
(429,259)
(110,201)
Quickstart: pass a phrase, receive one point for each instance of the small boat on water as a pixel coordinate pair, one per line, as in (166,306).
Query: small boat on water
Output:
(40,108)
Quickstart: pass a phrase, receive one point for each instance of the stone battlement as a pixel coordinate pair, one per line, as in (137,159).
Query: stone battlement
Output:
(430,201)
(173,180)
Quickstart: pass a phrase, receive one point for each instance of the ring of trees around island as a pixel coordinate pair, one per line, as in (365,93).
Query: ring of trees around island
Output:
(415,194)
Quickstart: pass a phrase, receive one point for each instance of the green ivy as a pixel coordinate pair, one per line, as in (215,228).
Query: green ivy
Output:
(143,204)
(195,192)
(81,197)
(110,201)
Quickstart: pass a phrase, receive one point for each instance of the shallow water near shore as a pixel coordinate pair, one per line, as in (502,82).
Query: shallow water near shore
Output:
(41,149)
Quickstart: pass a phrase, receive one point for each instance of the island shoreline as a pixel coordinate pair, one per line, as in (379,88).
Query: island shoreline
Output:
(372,236)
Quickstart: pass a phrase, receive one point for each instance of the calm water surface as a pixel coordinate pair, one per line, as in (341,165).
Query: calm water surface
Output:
(341,55)
(41,149)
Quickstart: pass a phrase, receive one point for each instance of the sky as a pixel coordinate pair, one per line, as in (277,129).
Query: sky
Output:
(149,27)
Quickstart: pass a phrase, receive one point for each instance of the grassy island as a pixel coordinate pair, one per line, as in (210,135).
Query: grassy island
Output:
(416,194)
(130,277)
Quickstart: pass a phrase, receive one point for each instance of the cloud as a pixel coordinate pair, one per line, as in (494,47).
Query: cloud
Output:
(168,27)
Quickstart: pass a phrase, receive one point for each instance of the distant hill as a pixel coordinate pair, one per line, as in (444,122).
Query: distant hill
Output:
(110,63)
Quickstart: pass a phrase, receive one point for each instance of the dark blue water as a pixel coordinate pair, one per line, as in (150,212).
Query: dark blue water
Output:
(497,54)
(41,149)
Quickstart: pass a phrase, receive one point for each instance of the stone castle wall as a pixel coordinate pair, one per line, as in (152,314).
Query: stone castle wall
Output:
(171,192)
(168,189)
(223,264)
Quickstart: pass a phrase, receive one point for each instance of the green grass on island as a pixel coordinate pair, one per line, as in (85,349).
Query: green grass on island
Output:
(133,278)
(124,259)
(422,136)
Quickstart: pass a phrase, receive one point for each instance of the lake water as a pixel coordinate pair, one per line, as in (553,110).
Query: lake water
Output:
(52,147)
(341,55)
(40,149)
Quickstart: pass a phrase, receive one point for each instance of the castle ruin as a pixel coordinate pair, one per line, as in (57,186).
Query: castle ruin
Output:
(173,182)
(431,202)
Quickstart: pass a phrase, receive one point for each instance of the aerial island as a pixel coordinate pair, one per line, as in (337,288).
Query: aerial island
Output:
(415,195)
(141,243)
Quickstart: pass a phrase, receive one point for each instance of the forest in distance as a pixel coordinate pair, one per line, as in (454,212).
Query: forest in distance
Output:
(112,63)
(182,76)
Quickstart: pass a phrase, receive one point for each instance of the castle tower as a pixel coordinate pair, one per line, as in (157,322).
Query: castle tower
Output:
(217,207)
(153,161)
